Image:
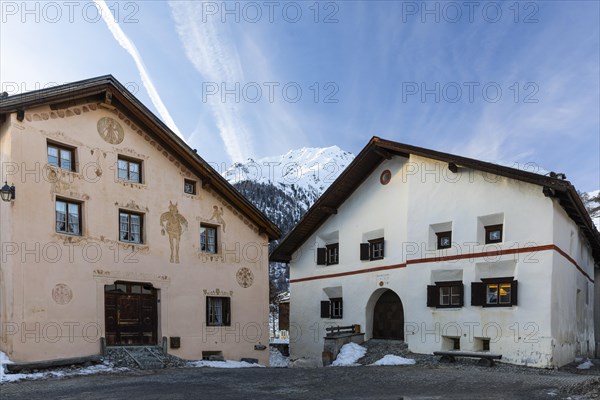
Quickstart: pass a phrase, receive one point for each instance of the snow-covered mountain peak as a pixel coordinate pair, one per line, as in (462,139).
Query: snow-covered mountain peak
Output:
(308,168)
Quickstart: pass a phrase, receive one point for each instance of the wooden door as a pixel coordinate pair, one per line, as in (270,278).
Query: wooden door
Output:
(388,317)
(130,314)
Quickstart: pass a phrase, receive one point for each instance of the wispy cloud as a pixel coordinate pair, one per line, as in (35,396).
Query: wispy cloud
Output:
(128,45)
(214,55)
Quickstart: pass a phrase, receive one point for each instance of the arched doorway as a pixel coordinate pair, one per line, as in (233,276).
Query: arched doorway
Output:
(388,317)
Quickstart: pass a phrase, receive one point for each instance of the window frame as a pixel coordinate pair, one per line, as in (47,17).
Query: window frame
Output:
(225,311)
(67,203)
(129,161)
(192,183)
(434,294)
(493,228)
(372,244)
(129,225)
(441,236)
(332,308)
(216,239)
(480,292)
(333,247)
(60,148)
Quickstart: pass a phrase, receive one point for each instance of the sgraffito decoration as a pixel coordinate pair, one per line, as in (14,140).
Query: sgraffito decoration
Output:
(110,130)
(244,277)
(173,224)
(62,294)
(217,216)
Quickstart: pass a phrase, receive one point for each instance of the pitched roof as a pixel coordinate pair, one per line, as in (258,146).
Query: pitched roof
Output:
(107,89)
(378,150)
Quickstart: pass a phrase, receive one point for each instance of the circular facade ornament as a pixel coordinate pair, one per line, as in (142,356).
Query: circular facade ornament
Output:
(62,294)
(386,177)
(110,130)
(245,277)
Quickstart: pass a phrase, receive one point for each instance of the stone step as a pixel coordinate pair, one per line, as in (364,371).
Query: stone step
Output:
(147,357)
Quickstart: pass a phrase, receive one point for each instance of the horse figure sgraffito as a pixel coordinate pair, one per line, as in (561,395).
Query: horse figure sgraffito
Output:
(175,225)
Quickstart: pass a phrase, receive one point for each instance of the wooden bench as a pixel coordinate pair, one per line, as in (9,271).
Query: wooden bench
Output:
(486,359)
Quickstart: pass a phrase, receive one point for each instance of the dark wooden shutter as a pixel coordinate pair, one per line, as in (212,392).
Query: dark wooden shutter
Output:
(432,291)
(462,295)
(321,256)
(364,251)
(477,293)
(513,293)
(207,310)
(325,309)
(382,248)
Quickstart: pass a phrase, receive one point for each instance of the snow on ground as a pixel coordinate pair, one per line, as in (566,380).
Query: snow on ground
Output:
(585,365)
(349,354)
(390,359)
(57,373)
(224,364)
(278,360)
(280,341)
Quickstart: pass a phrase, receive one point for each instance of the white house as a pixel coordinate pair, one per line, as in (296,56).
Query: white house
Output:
(446,252)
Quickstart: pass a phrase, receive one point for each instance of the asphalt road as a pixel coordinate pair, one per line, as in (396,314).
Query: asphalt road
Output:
(400,382)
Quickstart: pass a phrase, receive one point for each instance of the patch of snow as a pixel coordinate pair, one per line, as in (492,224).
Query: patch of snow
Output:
(280,341)
(585,365)
(224,364)
(278,360)
(58,373)
(390,359)
(349,354)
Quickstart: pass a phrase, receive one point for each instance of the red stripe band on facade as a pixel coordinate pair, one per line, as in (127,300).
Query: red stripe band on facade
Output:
(451,258)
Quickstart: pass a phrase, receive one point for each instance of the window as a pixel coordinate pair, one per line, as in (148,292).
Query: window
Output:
(218,311)
(373,250)
(129,170)
(68,217)
(494,292)
(444,240)
(332,308)
(445,295)
(328,255)
(189,186)
(62,157)
(208,239)
(130,227)
(333,255)
(493,234)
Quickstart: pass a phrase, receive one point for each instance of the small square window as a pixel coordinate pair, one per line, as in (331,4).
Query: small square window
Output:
(208,239)
(61,156)
(444,240)
(336,308)
(189,186)
(130,227)
(129,170)
(493,234)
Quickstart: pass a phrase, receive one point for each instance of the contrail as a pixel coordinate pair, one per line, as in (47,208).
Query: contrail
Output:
(128,45)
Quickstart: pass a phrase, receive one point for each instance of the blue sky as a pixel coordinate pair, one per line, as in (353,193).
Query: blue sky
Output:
(511,81)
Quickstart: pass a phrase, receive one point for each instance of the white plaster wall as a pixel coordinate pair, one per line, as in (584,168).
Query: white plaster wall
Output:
(421,193)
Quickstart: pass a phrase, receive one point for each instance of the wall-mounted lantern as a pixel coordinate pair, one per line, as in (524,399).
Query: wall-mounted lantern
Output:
(7,193)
